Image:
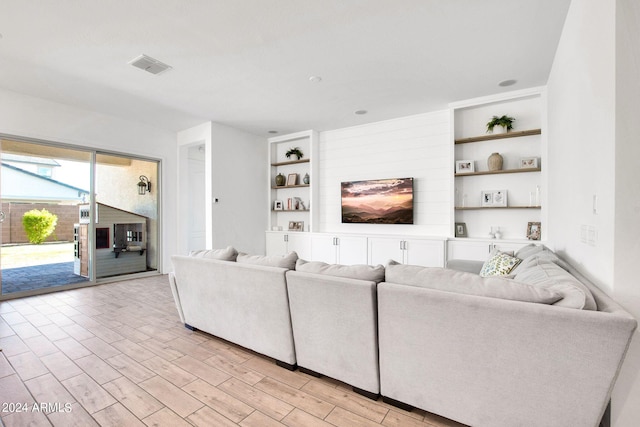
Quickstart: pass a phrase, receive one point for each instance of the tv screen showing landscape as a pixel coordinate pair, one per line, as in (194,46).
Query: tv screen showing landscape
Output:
(379,201)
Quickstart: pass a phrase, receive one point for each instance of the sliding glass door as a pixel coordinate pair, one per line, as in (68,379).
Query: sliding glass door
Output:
(73,217)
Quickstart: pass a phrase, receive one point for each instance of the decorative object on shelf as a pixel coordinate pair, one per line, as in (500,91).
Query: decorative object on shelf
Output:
(296,225)
(144,185)
(500,124)
(299,204)
(494,162)
(534,231)
(494,198)
(306,179)
(292,179)
(280,180)
(497,234)
(528,163)
(277,205)
(465,166)
(537,200)
(461,229)
(295,151)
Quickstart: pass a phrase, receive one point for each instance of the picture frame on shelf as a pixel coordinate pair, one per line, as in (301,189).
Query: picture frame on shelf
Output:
(296,225)
(494,199)
(278,205)
(528,163)
(465,166)
(292,179)
(461,229)
(534,230)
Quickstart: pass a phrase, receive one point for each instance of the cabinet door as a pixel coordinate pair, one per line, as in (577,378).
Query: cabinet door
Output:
(323,248)
(276,243)
(300,243)
(352,250)
(427,253)
(381,250)
(478,251)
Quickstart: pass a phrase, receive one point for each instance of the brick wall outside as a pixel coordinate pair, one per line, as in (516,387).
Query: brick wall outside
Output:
(13,232)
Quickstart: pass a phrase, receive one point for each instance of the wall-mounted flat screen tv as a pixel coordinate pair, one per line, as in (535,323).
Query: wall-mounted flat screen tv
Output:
(378,201)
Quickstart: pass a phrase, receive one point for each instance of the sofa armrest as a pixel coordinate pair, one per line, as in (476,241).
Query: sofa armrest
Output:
(470,266)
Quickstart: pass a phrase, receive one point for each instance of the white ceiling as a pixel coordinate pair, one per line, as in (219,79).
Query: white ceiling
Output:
(247,63)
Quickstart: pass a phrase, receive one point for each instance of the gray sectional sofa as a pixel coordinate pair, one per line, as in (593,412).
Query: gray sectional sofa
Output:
(539,346)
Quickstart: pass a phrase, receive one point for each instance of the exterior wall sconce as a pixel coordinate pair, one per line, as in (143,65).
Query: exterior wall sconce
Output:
(144,185)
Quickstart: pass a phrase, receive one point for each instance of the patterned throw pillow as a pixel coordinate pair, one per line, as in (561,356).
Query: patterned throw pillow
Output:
(499,264)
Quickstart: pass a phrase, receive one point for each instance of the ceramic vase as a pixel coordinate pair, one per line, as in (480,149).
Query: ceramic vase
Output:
(494,162)
(280,180)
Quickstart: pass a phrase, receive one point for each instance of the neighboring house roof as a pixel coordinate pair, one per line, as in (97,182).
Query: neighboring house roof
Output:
(21,185)
(29,159)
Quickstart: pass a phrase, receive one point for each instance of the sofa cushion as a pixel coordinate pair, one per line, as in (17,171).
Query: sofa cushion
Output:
(499,264)
(226,254)
(358,271)
(468,283)
(539,270)
(286,261)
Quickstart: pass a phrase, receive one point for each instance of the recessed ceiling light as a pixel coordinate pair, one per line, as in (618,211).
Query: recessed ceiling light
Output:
(506,83)
(315,79)
(360,112)
(273,131)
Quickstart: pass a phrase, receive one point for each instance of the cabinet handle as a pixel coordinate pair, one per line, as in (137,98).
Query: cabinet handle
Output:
(286,237)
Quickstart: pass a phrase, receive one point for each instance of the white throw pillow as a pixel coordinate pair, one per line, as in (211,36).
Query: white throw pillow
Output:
(286,261)
(226,254)
(357,271)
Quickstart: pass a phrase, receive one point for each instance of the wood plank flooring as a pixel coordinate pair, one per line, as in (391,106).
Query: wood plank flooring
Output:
(117,355)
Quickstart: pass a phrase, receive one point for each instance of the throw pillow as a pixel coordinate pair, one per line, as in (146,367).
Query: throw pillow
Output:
(499,264)
(468,283)
(357,271)
(287,261)
(226,254)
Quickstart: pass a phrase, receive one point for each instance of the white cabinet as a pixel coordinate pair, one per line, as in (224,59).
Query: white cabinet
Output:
(424,252)
(479,250)
(339,249)
(281,243)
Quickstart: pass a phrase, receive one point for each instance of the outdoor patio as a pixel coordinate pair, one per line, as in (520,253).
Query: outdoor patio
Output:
(28,267)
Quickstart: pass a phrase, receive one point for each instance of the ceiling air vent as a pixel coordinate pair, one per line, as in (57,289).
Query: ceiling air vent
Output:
(149,64)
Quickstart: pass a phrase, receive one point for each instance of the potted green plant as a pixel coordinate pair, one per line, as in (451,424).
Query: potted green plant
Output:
(504,124)
(295,151)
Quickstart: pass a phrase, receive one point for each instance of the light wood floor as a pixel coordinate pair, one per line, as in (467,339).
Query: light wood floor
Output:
(117,355)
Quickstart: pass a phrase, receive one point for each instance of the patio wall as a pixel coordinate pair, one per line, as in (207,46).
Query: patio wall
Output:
(13,232)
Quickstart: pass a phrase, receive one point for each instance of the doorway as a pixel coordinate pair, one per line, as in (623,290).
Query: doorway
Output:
(91,201)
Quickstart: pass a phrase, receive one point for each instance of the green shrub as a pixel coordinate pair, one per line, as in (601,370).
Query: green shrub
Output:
(39,225)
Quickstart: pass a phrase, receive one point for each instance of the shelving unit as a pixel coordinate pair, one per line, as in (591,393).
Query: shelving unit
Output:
(279,219)
(521,184)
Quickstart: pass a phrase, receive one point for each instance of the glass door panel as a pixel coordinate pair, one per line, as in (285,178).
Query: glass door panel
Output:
(42,187)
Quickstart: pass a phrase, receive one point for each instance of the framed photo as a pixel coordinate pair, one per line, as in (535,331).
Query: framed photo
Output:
(296,225)
(277,205)
(461,229)
(465,166)
(534,230)
(528,162)
(292,179)
(494,198)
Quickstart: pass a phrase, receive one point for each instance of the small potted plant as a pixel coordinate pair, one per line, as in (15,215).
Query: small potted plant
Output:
(295,151)
(504,124)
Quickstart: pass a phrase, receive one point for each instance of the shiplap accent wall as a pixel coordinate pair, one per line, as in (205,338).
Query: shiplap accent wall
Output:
(416,146)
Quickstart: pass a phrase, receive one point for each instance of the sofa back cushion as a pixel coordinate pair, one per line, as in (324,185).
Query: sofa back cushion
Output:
(468,283)
(539,270)
(286,261)
(226,254)
(357,271)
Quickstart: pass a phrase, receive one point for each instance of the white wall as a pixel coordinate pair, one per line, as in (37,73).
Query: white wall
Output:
(234,173)
(593,96)
(417,146)
(28,116)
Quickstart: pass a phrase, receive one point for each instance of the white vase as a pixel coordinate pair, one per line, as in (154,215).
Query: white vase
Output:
(499,129)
